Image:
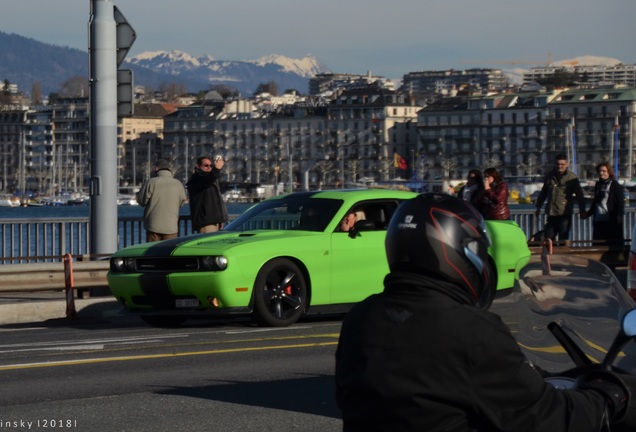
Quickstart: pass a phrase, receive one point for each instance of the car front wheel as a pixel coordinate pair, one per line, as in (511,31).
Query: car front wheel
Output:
(280,294)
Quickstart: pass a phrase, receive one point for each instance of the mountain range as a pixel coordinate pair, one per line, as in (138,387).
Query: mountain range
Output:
(24,61)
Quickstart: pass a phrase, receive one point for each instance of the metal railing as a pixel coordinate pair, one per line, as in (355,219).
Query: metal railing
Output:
(48,240)
(581,228)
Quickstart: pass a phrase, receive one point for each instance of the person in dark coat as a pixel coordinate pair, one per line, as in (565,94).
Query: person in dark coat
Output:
(560,187)
(426,355)
(608,206)
(207,208)
(492,201)
(473,187)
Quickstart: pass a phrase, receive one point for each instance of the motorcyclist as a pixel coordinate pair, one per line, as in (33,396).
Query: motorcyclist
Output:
(426,355)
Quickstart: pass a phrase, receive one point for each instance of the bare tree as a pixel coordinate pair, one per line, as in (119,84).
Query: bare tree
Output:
(448,165)
(172,90)
(492,163)
(269,87)
(260,166)
(530,168)
(5,97)
(354,166)
(324,168)
(36,93)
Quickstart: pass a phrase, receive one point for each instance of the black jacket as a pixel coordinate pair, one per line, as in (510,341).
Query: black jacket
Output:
(615,200)
(414,358)
(206,202)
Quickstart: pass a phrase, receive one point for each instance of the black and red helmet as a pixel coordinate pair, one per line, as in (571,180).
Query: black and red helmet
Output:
(444,237)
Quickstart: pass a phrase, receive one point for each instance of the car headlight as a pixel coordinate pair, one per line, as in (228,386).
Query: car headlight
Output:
(122,265)
(214,263)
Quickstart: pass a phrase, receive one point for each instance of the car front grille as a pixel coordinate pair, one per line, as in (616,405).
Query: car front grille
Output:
(167,264)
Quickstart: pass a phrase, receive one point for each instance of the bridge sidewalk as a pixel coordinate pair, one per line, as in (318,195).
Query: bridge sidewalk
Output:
(41,306)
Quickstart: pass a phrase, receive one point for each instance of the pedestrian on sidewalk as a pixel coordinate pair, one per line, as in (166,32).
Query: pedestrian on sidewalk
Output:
(207,207)
(492,200)
(161,196)
(560,188)
(608,206)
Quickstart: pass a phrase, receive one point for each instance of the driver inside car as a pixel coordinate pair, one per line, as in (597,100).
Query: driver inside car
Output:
(426,355)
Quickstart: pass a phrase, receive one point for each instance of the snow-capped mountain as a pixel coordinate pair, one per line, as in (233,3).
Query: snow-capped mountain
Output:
(245,75)
(307,66)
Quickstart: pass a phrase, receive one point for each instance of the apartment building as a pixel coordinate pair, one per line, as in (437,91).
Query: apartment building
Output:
(521,134)
(70,150)
(12,149)
(599,124)
(189,133)
(310,144)
(140,138)
(346,141)
(38,173)
(624,74)
(367,127)
(332,82)
(444,81)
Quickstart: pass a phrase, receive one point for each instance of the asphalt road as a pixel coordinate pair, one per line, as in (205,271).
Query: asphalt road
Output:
(114,373)
(227,376)
(121,375)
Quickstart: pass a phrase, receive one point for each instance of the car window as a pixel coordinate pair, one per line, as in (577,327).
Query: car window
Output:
(374,215)
(299,213)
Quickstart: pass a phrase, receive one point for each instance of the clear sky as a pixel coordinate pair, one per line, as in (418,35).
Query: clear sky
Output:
(387,37)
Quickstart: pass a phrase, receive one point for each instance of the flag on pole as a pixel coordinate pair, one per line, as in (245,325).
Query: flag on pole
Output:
(398,161)
(617,128)
(574,161)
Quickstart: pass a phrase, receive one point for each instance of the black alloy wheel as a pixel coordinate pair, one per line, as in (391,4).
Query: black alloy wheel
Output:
(280,294)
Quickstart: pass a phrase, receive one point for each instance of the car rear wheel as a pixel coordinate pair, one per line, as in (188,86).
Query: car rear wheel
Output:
(280,294)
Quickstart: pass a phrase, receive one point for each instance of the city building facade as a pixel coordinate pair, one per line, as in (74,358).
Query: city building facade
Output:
(445,81)
(70,150)
(140,138)
(624,74)
(354,138)
(12,119)
(521,134)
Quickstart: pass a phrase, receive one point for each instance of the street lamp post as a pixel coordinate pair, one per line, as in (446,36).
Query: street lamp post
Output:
(134,163)
(147,176)
(289,152)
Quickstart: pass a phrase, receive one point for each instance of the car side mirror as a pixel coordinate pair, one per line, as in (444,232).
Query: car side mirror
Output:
(629,323)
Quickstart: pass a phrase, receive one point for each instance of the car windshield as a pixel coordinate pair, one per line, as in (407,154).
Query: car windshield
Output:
(294,212)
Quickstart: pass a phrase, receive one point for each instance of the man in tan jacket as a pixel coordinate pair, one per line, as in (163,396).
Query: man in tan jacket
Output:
(162,196)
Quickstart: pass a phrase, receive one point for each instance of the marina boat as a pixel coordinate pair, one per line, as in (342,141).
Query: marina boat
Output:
(130,200)
(9,202)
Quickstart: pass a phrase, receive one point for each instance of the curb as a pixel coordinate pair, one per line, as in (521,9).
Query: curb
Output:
(43,310)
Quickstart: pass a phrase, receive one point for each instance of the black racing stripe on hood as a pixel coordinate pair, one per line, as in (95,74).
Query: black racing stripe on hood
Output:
(167,247)
(157,291)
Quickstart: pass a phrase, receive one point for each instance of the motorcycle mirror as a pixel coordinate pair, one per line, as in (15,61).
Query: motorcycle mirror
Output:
(629,323)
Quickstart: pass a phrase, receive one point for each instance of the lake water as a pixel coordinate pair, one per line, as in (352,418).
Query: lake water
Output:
(61,212)
(36,231)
